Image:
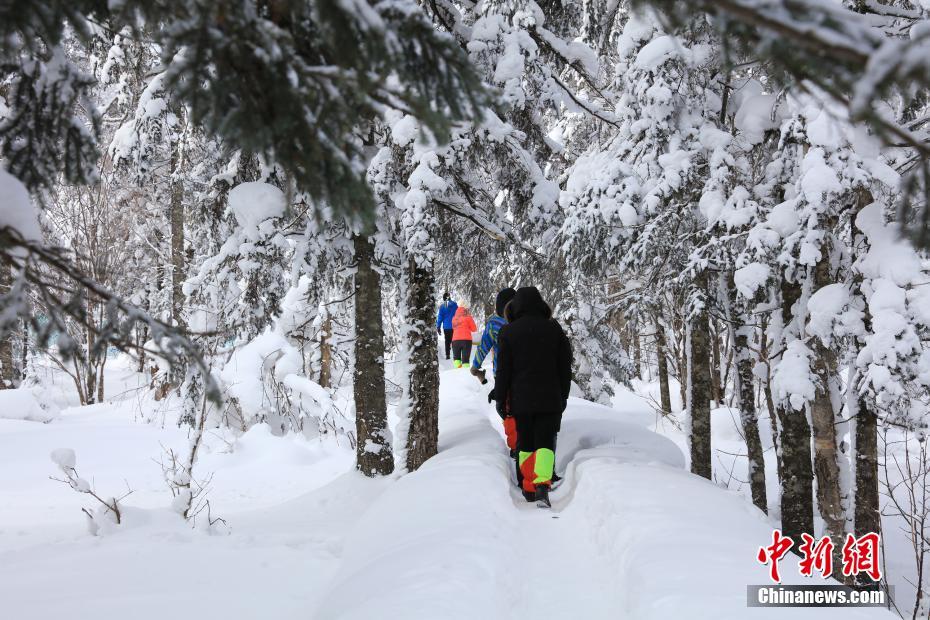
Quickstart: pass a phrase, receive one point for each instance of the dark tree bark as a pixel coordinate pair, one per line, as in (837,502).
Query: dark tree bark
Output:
(326,351)
(373,450)
(8,374)
(746,397)
(423,436)
(681,338)
(769,400)
(178,258)
(662,366)
(716,390)
(699,370)
(867,515)
(797,498)
(637,349)
(823,418)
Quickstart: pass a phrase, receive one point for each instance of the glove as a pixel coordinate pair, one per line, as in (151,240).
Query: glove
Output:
(501,409)
(439,330)
(491,396)
(475,371)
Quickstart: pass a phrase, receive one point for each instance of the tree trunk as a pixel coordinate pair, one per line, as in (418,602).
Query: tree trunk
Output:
(24,352)
(797,498)
(662,366)
(423,436)
(682,339)
(8,378)
(326,351)
(373,449)
(746,397)
(823,418)
(637,350)
(89,361)
(178,258)
(699,381)
(100,378)
(867,515)
(141,338)
(769,400)
(716,393)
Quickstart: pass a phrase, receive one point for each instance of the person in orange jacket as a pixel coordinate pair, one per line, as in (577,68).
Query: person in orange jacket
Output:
(463,326)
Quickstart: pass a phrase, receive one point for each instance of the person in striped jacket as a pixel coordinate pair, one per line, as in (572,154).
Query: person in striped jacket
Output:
(489,343)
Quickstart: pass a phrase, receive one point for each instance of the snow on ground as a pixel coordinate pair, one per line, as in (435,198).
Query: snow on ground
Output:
(730,469)
(288,502)
(631,533)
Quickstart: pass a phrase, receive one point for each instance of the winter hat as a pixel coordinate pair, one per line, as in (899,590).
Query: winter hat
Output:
(528,301)
(446,296)
(503,298)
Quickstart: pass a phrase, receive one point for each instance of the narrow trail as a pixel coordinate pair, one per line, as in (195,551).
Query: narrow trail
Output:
(561,575)
(560,571)
(630,534)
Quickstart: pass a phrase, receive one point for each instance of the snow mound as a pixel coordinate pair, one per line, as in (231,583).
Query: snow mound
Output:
(64,458)
(267,355)
(24,404)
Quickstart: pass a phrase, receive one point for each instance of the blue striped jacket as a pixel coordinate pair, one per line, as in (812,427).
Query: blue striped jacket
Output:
(489,341)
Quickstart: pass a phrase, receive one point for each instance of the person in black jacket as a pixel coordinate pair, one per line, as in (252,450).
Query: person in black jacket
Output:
(532,383)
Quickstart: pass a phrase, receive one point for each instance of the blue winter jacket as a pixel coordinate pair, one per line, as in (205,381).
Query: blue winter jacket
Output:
(489,341)
(446,312)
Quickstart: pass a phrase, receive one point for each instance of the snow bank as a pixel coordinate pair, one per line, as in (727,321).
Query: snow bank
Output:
(24,404)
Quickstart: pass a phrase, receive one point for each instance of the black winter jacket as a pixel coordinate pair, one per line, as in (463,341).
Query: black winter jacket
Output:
(534,358)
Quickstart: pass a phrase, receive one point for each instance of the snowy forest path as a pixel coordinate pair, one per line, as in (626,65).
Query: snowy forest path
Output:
(631,533)
(560,573)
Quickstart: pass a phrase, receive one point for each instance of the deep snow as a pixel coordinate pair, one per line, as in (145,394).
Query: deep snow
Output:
(631,533)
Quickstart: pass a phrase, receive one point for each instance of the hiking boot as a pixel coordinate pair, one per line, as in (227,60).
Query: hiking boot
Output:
(556,478)
(457,364)
(542,496)
(529,496)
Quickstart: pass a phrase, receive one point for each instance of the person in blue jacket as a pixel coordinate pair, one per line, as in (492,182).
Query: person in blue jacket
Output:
(444,320)
(487,345)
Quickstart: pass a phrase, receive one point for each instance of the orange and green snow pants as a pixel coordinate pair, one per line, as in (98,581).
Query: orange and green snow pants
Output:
(510,431)
(536,447)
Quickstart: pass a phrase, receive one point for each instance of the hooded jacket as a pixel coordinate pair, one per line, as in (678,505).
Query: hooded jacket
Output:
(446,312)
(463,325)
(534,358)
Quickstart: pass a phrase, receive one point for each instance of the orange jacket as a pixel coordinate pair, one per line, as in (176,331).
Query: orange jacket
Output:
(463,326)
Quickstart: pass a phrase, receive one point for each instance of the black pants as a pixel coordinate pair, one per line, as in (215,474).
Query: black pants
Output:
(537,430)
(448,334)
(461,351)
